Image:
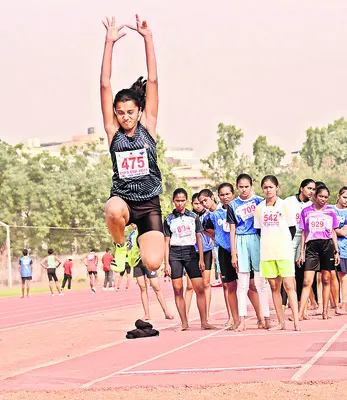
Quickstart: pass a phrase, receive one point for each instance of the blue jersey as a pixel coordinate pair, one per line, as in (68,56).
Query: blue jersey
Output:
(342,241)
(25,264)
(241,213)
(207,242)
(222,229)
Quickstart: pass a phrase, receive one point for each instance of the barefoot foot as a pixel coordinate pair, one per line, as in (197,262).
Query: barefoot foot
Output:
(278,327)
(168,315)
(207,326)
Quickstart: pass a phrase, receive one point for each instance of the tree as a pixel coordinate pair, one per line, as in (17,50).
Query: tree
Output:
(267,158)
(222,164)
(326,142)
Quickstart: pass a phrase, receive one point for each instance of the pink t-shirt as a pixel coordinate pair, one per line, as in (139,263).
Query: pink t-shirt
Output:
(106,261)
(318,224)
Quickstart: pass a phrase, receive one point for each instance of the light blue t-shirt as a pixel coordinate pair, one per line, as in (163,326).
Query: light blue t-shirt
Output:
(221,227)
(342,219)
(25,263)
(241,213)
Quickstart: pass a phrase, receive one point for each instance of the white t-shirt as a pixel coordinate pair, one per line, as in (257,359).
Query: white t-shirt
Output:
(274,222)
(297,206)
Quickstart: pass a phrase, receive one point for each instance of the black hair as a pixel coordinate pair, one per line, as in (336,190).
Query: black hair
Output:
(107,249)
(226,184)
(136,93)
(195,196)
(320,188)
(50,251)
(244,176)
(270,178)
(304,183)
(178,191)
(343,189)
(25,252)
(92,250)
(319,183)
(206,192)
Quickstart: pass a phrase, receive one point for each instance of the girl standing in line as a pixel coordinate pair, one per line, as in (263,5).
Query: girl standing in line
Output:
(276,222)
(318,223)
(341,212)
(245,250)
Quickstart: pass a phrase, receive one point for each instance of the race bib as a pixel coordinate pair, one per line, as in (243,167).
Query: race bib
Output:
(318,224)
(341,220)
(270,219)
(297,217)
(183,231)
(132,163)
(247,210)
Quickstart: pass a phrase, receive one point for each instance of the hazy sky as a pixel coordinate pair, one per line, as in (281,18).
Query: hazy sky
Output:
(270,67)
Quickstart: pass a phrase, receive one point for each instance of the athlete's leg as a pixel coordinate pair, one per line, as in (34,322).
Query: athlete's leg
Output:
(275,285)
(129,279)
(206,278)
(64,281)
(141,281)
(262,289)
(154,282)
(119,280)
(242,290)
(198,287)
(117,216)
(343,284)
(28,281)
(23,288)
(177,285)
(335,292)
(254,298)
(305,293)
(289,285)
(232,299)
(188,294)
(227,305)
(326,279)
(152,249)
(319,293)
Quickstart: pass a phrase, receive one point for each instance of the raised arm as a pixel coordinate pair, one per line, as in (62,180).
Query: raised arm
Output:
(112,35)
(150,113)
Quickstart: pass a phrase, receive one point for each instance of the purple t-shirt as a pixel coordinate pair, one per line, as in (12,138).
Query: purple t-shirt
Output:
(318,224)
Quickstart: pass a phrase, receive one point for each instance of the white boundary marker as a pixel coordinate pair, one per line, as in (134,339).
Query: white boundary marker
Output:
(43,321)
(284,333)
(208,370)
(305,367)
(91,383)
(98,348)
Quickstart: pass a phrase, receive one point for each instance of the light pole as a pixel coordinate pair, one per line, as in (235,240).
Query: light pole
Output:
(8,244)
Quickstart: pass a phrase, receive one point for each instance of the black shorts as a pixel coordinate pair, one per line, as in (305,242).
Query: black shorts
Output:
(189,263)
(127,270)
(142,270)
(208,260)
(146,215)
(26,278)
(92,273)
(319,255)
(52,276)
(228,272)
(342,267)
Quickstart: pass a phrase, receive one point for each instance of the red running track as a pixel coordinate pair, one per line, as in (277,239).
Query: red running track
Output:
(78,341)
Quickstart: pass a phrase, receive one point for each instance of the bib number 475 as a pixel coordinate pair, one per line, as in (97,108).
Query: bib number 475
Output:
(133,162)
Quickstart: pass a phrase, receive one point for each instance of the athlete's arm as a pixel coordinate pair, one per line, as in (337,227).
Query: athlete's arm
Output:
(43,263)
(301,258)
(112,35)
(150,113)
(234,257)
(201,252)
(336,247)
(342,232)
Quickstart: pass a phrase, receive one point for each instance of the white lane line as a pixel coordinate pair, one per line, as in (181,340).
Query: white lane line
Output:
(98,348)
(43,321)
(270,333)
(208,370)
(298,375)
(91,383)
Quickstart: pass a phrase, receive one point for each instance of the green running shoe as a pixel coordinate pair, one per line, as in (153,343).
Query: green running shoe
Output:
(120,254)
